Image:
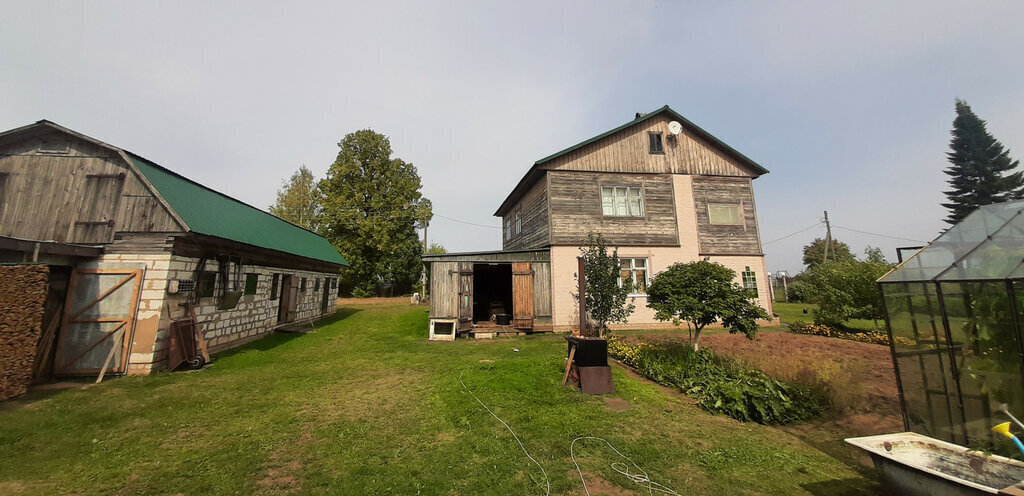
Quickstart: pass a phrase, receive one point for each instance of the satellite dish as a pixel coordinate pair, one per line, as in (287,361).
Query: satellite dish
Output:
(675,128)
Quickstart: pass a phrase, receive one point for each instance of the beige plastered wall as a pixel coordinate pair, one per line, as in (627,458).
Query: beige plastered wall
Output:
(565,312)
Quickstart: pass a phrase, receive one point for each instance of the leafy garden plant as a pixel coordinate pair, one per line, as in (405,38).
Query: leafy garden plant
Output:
(606,296)
(720,385)
(702,293)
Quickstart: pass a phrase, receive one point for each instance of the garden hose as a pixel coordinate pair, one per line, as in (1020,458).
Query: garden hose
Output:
(1004,429)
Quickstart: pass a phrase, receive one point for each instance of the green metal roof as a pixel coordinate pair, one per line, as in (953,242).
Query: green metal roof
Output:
(209,212)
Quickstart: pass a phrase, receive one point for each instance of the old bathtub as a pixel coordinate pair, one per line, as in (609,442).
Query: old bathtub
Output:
(913,464)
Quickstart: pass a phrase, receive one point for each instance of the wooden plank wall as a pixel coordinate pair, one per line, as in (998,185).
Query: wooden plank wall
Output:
(628,151)
(73,197)
(444,290)
(542,289)
(534,208)
(726,240)
(576,209)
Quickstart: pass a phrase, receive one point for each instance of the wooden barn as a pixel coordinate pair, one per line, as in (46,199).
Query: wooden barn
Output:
(138,256)
(658,188)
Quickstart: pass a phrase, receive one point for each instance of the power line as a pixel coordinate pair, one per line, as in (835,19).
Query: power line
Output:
(880,235)
(466,222)
(793,234)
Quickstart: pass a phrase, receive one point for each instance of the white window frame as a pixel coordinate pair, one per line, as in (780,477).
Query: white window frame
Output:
(740,221)
(519,221)
(646,269)
(622,201)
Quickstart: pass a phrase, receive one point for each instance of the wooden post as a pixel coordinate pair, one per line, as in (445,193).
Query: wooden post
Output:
(583,297)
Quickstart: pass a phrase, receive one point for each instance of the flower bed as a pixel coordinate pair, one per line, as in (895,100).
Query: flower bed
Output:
(873,336)
(718,384)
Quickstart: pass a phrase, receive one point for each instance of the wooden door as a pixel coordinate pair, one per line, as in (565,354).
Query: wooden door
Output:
(283,302)
(522,295)
(465,296)
(326,302)
(293,302)
(98,321)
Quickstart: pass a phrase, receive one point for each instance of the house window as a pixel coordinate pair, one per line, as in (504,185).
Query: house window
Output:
(634,271)
(274,281)
(207,284)
(622,201)
(656,145)
(334,283)
(519,221)
(724,214)
(316,285)
(749,280)
(302,285)
(508,228)
(250,284)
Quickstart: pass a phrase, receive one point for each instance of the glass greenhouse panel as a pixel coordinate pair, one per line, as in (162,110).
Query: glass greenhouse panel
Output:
(922,360)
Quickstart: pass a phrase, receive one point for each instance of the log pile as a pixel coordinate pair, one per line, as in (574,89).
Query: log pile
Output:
(23,291)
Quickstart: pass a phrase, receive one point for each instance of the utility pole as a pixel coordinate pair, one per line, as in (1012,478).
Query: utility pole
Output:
(828,237)
(423,278)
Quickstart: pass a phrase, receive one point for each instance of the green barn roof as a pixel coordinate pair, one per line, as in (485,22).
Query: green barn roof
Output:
(209,212)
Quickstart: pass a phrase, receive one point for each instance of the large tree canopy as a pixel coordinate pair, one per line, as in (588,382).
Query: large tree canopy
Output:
(298,200)
(814,253)
(981,170)
(372,206)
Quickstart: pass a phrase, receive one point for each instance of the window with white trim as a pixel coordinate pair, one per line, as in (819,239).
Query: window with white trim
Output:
(725,214)
(622,201)
(634,270)
(519,221)
(749,280)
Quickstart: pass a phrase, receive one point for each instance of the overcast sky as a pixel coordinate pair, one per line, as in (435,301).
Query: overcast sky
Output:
(849,107)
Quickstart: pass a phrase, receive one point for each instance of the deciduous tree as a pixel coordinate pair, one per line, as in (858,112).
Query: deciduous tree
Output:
(299,200)
(814,253)
(606,298)
(702,293)
(981,171)
(371,208)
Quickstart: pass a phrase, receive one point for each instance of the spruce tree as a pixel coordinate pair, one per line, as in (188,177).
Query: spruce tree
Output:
(981,169)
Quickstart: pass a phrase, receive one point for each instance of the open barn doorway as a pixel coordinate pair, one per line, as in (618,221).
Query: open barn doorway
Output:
(492,293)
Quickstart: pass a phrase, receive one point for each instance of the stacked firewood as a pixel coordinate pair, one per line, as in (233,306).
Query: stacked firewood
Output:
(23,291)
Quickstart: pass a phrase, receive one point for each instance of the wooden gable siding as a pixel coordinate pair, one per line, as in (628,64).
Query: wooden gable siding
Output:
(719,239)
(82,196)
(627,151)
(534,208)
(576,209)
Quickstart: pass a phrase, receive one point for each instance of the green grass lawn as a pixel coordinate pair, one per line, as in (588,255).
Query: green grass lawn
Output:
(794,312)
(367,406)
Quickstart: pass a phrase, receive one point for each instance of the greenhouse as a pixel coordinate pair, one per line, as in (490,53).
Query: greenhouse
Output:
(954,317)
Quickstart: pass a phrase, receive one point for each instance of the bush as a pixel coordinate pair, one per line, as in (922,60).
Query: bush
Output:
(720,385)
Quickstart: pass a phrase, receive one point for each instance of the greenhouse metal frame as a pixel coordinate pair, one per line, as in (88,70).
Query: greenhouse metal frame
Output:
(953,315)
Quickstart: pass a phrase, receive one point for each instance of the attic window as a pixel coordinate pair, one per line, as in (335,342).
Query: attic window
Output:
(656,145)
(54,147)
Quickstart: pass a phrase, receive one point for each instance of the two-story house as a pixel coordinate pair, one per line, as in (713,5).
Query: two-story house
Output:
(658,188)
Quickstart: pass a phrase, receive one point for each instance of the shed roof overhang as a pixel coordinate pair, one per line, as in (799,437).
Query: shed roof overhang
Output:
(506,256)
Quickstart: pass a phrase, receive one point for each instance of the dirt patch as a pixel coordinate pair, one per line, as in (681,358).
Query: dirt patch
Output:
(617,404)
(597,485)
